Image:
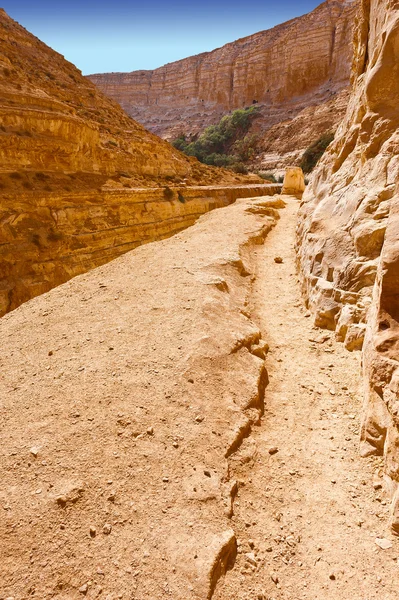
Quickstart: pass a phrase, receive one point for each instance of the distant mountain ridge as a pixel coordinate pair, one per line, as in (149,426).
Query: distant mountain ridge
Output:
(302,62)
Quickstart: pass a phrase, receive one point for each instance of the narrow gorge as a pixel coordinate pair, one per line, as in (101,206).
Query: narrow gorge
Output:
(199,406)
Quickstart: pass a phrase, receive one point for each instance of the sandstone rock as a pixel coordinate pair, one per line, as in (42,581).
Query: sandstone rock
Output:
(294,182)
(81,182)
(284,143)
(285,69)
(383,543)
(348,232)
(354,338)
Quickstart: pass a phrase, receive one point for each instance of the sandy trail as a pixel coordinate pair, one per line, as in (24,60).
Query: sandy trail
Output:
(306,516)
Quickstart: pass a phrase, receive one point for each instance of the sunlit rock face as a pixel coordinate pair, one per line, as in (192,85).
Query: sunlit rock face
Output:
(303,62)
(349,230)
(80,181)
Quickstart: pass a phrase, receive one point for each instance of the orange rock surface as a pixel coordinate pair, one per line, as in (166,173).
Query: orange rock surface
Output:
(349,230)
(80,181)
(285,69)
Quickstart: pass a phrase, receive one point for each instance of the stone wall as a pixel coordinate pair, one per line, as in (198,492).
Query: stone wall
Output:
(349,226)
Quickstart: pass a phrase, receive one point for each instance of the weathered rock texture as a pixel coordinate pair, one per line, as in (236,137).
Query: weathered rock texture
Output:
(283,144)
(349,231)
(73,171)
(71,233)
(54,119)
(294,182)
(298,64)
(124,393)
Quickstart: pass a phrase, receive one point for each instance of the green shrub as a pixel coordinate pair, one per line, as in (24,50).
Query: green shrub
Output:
(240,168)
(245,147)
(315,151)
(219,160)
(269,176)
(224,144)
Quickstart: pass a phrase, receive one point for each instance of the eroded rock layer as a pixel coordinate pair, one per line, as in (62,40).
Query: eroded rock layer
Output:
(48,240)
(284,144)
(117,430)
(77,175)
(53,119)
(349,231)
(299,63)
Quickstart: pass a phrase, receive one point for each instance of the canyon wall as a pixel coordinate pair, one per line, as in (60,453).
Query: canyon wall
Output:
(49,238)
(80,181)
(285,69)
(284,144)
(54,119)
(349,229)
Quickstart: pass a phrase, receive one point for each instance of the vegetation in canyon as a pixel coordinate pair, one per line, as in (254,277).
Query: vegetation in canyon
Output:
(313,154)
(226,144)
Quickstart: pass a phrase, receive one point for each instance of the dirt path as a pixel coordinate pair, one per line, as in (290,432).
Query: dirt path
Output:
(309,510)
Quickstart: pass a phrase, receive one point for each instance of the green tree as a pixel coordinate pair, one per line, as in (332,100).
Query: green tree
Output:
(312,155)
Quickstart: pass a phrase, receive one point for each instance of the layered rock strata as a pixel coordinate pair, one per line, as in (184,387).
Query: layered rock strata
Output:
(285,69)
(73,171)
(348,231)
(117,432)
(47,239)
(284,144)
(54,119)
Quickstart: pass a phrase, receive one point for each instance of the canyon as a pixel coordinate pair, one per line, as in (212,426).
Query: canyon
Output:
(183,420)
(289,70)
(80,181)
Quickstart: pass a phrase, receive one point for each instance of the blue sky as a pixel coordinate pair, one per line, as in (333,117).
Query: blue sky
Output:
(118,35)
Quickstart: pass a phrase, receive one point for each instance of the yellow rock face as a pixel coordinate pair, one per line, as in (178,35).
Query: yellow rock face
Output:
(285,69)
(80,181)
(50,237)
(349,230)
(294,182)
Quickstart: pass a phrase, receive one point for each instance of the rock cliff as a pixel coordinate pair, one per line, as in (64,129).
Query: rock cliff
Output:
(303,62)
(349,228)
(75,170)
(283,144)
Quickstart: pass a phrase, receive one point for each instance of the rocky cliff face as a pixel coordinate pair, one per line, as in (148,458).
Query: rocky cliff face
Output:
(283,144)
(299,63)
(71,233)
(75,170)
(349,229)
